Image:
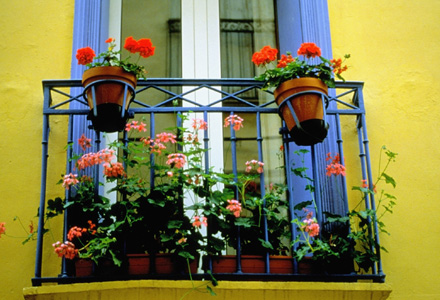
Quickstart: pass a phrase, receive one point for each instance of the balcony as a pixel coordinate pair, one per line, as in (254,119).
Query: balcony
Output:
(164,103)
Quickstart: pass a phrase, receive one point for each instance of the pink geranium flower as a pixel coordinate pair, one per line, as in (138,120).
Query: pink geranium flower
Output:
(84,142)
(335,167)
(69,180)
(235,121)
(66,249)
(176,160)
(254,164)
(199,124)
(235,207)
(114,170)
(198,222)
(134,125)
(165,137)
(311,225)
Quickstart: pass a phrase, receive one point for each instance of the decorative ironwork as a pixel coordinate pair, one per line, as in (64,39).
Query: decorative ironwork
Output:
(162,98)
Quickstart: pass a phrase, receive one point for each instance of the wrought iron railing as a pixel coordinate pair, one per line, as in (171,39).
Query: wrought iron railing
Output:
(64,99)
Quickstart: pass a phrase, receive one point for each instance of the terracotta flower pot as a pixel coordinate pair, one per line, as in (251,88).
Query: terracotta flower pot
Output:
(83,267)
(139,264)
(252,264)
(308,108)
(109,85)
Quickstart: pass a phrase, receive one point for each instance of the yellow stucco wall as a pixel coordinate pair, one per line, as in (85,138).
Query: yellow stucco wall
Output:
(395,49)
(36,43)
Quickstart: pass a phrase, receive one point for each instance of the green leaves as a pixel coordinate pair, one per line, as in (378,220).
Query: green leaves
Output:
(302,205)
(389,179)
(54,207)
(266,244)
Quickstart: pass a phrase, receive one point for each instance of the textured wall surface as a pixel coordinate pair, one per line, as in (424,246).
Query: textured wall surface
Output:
(394,47)
(36,44)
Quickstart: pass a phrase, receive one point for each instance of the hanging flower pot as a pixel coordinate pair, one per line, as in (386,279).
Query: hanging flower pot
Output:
(109,92)
(301,104)
(301,86)
(109,83)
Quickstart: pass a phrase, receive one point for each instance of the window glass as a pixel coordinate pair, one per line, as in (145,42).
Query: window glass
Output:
(160,23)
(245,27)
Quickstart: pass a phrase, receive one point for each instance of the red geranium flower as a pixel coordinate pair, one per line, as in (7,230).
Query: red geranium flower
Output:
(145,48)
(285,59)
(265,56)
(131,44)
(85,55)
(309,50)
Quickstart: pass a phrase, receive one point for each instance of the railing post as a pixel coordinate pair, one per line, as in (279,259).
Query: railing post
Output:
(45,142)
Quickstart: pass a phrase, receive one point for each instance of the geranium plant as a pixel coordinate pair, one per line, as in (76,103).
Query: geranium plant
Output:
(312,64)
(110,58)
(350,237)
(148,217)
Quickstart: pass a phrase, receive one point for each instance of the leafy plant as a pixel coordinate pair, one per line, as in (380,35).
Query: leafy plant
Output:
(289,67)
(110,58)
(351,237)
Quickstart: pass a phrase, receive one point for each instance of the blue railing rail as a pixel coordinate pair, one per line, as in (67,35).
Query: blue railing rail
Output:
(65,98)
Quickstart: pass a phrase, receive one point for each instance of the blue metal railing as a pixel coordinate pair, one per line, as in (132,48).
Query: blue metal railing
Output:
(59,94)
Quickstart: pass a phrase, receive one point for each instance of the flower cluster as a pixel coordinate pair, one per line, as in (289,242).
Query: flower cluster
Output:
(75,232)
(309,50)
(95,158)
(310,225)
(114,170)
(166,137)
(86,56)
(143,46)
(335,167)
(134,125)
(199,124)
(199,221)
(254,164)
(337,66)
(84,142)
(69,180)
(289,67)
(285,59)
(2,228)
(235,121)
(235,207)
(176,160)
(66,249)
(265,56)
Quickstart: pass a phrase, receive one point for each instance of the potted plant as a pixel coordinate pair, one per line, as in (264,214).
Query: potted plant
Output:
(243,220)
(110,82)
(301,89)
(147,219)
(344,244)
